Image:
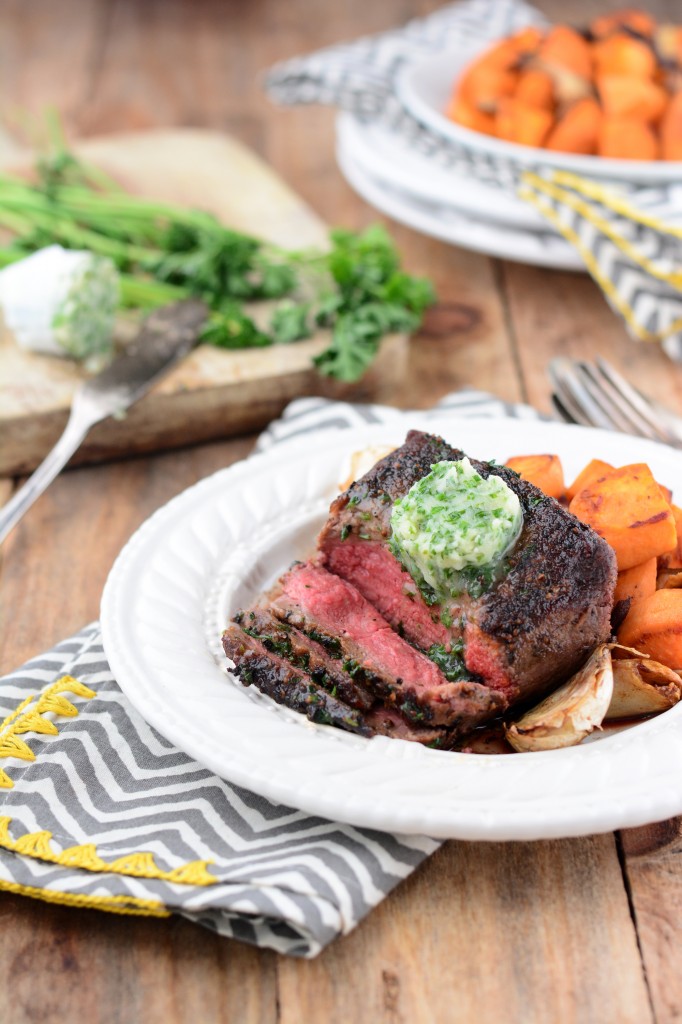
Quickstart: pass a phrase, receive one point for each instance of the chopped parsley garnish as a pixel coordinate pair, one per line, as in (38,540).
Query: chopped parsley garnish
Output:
(413,710)
(451,663)
(330,643)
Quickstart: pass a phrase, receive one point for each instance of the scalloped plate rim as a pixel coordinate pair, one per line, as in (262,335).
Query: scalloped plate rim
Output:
(446,815)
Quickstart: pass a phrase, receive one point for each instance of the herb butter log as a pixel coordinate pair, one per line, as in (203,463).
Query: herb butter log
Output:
(520,625)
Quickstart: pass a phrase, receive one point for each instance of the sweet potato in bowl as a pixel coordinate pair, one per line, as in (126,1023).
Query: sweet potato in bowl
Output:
(613,89)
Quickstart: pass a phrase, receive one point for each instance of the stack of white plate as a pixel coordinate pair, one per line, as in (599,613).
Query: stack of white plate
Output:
(386,167)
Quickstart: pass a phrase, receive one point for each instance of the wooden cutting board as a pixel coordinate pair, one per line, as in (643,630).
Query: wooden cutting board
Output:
(212,393)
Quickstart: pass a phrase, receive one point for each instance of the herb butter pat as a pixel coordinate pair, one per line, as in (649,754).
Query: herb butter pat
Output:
(454,525)
(61,302)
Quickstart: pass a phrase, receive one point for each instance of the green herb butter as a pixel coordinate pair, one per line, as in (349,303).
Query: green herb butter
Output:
(453,527)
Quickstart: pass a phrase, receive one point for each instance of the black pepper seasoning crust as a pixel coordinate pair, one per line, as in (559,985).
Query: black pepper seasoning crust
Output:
(553,605)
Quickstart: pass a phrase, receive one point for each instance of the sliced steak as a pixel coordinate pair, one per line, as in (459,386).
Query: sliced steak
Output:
(387,722)
(532,628)
(304,653)
(354,541)
(336,615)
(255,664)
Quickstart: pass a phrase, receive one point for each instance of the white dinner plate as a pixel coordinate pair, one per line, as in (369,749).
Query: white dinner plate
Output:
(217,545)
(388,156)
(540,248)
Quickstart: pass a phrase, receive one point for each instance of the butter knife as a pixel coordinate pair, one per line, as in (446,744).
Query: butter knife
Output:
(166,336)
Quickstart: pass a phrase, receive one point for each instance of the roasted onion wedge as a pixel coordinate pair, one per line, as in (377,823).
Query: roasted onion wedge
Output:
(669,579)
(642,687)
(362,461)
(572,712)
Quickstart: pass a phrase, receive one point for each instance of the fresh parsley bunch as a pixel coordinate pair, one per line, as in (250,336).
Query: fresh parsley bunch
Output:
(164,253)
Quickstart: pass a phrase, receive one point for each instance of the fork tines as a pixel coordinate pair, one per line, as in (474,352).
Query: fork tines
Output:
(595,394)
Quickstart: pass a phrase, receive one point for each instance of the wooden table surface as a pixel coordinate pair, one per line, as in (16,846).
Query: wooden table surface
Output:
(584,930)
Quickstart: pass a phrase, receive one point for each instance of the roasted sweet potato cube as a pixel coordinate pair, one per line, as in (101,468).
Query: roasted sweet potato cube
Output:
(566,48)
(626,138)
(517,122)
(503,54)
(527,40)
(627,509)
(482,86)
(654,627)
(592,471)
(671,129)
(462,112)
(621,54)
(535,89)
(637,582)
(578,130)
(545,471)
(673,559)
(639,21)
(625,96)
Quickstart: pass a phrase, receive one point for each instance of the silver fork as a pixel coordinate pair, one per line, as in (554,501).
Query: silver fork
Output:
(596,395)
(167,335)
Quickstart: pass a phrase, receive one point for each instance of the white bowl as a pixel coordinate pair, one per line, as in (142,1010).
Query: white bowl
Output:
(424,87)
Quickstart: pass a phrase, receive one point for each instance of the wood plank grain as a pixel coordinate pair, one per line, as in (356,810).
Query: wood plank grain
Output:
(652,862)
(61,963)
(212,393)
(465,341)
(553,313)
(486,933)
(48,54)
(549,919)
(57,559)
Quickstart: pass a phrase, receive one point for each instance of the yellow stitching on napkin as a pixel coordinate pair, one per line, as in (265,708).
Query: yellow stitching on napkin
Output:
(604,282)
(34,844)
(37,844)
(673,278)
(112,904)
(610,198)
(193,873)
(12,746)
(27,719)
(85,857)
(33,721)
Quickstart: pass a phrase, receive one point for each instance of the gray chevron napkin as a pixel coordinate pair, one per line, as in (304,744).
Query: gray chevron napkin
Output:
(628,236)
(99,810)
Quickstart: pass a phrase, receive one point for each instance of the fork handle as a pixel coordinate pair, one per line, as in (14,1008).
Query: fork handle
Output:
(54,462)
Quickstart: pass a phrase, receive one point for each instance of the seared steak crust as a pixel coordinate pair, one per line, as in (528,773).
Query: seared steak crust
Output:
(387,722)
(302,652)
(354,541)
(540,622)
(336,614)
(257,664)
(272,675)
(342,639)
(533,628)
